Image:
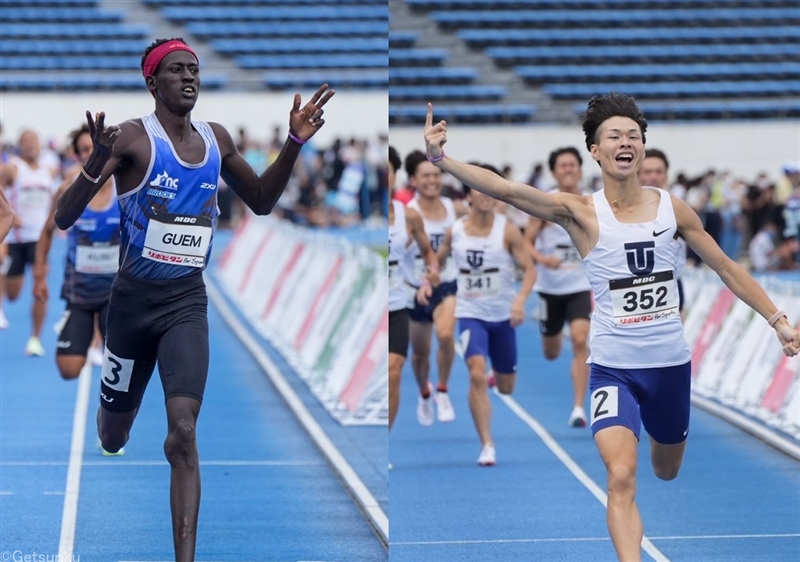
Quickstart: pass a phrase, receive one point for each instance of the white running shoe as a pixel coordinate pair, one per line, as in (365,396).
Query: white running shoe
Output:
(34,347)
(487,457)
(577,418)
(3,320)
(425,408)
(444,408)
(95,356)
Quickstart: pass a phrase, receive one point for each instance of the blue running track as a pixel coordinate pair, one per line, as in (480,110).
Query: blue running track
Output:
(268,493)
(735,500)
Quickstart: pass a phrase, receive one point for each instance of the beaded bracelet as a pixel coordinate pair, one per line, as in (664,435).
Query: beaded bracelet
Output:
(296,139)
(434,160)
(775,317)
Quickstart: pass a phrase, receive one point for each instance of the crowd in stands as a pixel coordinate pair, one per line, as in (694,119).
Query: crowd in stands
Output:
(340,184)
(754,220)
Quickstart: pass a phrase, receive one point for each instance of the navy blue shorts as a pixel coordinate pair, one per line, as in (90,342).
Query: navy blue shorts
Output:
(151,322)
(657,398)
(424,313)
(495,340)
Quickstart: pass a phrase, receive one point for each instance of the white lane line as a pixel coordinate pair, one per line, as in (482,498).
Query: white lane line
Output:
(6,493)
(118,462)
(357,489)
(572,466)
(595,539)
(70,514)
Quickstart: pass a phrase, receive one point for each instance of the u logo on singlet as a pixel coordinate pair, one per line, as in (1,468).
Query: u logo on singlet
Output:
(475,258)
(641,257)
(436,241)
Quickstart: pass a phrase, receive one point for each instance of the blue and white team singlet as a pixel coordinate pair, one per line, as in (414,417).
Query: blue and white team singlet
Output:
(168,221)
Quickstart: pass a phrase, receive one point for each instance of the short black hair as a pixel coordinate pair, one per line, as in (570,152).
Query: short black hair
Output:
(485,166)
(656,153)
(394,159)
(566,150)
(413,160)
(614,104)
(76,134)
(155,44)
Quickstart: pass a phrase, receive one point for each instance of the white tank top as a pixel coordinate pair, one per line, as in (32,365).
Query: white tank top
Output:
(633,273)
(398,241)
(554,240)
(485,273)
(30,196)
(435,230)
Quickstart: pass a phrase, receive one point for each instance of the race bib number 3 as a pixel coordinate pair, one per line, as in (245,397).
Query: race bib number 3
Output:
(178,240)
(645,299)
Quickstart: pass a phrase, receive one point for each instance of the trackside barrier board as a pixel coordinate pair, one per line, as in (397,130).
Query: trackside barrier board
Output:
(737,361)
(321,301)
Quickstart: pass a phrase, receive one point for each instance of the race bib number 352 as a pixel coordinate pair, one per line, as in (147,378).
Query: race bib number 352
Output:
(645,299)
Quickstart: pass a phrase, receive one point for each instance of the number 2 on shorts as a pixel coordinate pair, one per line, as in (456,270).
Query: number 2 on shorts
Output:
(605,403)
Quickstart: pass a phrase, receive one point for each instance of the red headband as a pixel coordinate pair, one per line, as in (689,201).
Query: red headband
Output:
(155,56)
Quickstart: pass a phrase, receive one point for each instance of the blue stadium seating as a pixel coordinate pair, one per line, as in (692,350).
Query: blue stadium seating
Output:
(677,89)
(714,110)
(777,51)
(681,72)
(346,42)
(208,30)
(274,13)
(595,18)
(453,93)
(357,79)
(39,82)
(716,58)
(494,113)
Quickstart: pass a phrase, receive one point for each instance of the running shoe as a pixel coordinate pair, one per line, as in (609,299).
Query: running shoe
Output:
(491,381)
(444,408)
(3,320)
(577,418)
(487,457)
(34,348)
(425,408)
(106,453)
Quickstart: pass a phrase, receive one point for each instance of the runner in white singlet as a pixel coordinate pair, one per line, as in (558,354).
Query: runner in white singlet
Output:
(625,233)
(484,248)
(29,185)
(564,291)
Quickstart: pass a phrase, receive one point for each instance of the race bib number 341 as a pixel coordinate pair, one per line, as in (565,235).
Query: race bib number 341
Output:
(645,299)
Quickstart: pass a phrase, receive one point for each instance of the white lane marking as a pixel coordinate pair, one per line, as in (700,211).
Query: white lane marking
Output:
(572,466)
(597,539)
(70,514)
(357,489)
(116,461)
